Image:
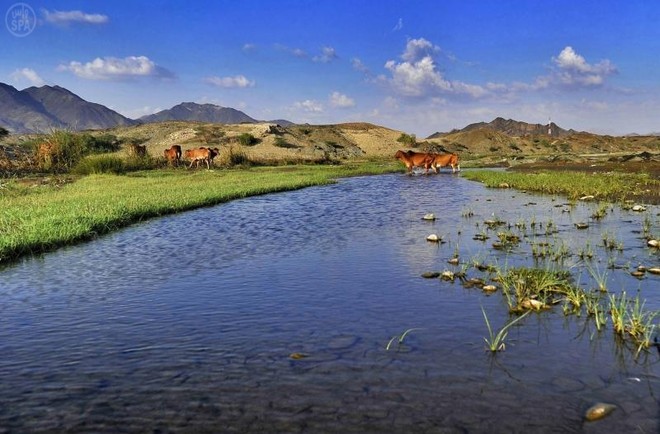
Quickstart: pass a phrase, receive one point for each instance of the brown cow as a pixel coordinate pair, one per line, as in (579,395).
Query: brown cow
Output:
(197,155)
(414,159)
(173,155)
(439,160)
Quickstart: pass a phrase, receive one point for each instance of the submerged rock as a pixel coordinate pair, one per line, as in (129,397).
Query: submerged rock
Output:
(429,216)
(431,275)
(581,225)
(599,411)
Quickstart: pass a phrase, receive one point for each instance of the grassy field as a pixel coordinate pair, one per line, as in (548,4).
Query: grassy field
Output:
(40,218)
(609,186)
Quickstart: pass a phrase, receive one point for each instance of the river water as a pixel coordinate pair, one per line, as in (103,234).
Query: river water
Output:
(273,314)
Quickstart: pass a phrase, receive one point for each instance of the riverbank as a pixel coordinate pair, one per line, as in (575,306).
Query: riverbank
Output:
(41,216)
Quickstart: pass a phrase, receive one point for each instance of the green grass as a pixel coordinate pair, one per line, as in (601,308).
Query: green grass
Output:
(613,186)
(43,218)
(495,341)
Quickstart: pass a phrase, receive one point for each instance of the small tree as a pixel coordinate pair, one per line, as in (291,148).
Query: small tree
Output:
(3,133)
(407,139)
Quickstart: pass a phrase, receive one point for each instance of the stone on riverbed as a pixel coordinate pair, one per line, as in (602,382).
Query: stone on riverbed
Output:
(599,411)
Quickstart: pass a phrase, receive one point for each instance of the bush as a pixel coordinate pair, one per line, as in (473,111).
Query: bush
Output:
(247,139)
(95,164)
(62,150)
(3,132)
(233,157)
(407,139)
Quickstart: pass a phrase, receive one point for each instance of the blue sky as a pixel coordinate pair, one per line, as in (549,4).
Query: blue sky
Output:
(414,65)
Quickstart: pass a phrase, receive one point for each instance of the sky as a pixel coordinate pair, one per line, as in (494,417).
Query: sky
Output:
(413,65)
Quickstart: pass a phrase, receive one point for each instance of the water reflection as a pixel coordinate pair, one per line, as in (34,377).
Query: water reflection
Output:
(186,323)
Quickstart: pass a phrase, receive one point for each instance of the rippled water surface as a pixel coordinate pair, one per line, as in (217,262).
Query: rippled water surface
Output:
(187,323)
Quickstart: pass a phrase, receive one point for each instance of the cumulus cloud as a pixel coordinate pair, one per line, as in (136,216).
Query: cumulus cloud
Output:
(417,74)
(112,68)
(310,106)
(27,74)
(573,69)
(67,17)
(238,81)
(328,54)
(339,100)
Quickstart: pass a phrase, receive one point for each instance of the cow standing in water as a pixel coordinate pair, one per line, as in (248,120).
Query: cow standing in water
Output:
(173,155)
(439,160)
(414,159)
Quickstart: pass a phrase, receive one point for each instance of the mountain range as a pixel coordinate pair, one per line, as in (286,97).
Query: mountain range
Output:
(42,109)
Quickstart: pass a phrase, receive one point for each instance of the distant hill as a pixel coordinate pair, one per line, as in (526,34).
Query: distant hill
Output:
(511,138)
(190,111)
(40,109)
(512,128)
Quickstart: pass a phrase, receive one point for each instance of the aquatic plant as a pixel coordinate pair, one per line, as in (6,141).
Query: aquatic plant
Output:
(526,287)
(495,341)
(399,338)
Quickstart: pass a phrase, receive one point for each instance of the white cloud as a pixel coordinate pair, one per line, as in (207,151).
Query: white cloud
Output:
(29,75)
(573,69)
(309,106)
(339,100)
(398,26)
(417,49)
(112,68)
(66,17)
(328,54)
(418,76)
(249,47)
(238,81)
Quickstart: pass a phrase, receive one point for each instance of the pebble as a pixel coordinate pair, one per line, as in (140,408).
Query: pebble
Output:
(599,411)
(429,216)
(654,270)
(434,238)
(639,208)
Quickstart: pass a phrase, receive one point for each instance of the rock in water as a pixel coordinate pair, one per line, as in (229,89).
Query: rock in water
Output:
(429,216)
(599,411)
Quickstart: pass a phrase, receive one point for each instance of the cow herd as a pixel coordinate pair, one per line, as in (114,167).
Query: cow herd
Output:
(428,161)
(173,155)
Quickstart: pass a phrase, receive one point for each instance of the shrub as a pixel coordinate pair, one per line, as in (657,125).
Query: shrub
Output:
(247,139)
(233,157)
(62,150)
(407,139)
(95,164)
(3,132)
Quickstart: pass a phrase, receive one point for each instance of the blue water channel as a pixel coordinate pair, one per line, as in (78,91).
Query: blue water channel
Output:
(273,314)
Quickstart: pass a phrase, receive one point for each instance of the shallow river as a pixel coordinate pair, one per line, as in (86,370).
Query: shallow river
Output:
(195,322)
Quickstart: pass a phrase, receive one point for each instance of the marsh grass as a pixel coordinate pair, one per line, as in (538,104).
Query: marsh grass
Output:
(495,341)
(525,287)
(46,217)
(613,186)
(399,338)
